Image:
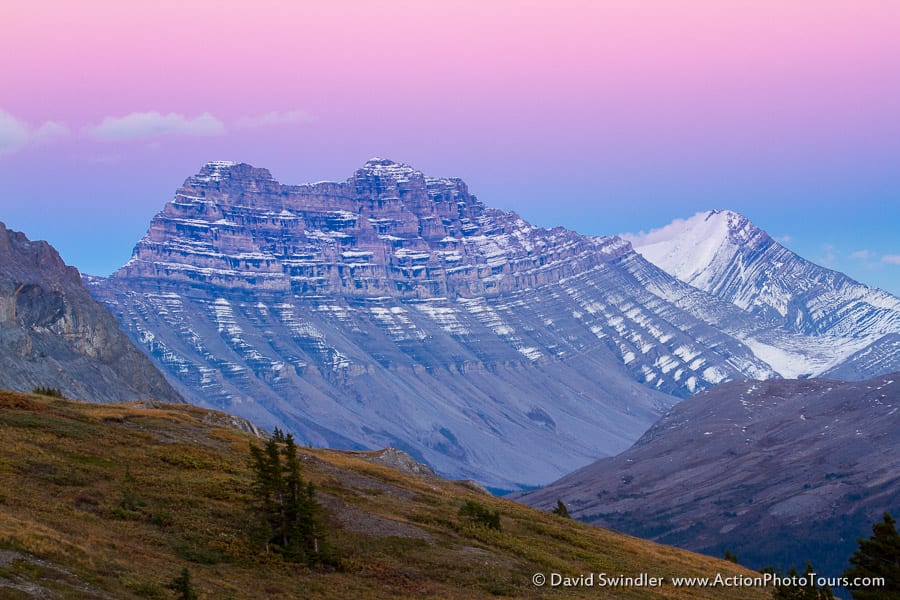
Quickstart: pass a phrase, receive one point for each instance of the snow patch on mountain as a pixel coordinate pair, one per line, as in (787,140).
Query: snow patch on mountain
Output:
(800,362)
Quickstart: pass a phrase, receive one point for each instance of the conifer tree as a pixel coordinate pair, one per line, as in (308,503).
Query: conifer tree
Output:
(290,517)
(879,556)
(298,511)
(561,509)
(183,587)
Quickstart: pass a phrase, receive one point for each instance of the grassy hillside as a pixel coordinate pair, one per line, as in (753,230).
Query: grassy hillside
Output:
(112,501)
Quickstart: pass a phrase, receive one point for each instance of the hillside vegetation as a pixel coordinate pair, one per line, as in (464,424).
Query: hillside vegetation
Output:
(114,500)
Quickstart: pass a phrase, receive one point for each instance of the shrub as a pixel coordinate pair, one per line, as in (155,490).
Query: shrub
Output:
(129,505)
(479,514)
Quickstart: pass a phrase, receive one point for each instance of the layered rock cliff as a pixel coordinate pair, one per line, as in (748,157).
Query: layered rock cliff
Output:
(388,231)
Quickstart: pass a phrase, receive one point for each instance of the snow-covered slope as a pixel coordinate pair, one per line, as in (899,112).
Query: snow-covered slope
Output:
(693,249)
(724,254)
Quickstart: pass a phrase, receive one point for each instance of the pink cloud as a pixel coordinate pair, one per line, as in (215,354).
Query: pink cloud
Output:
(829,254)
(50,132)
(15,133)
(143,125)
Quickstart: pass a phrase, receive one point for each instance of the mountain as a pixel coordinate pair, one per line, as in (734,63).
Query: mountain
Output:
(396,309)
(103,501)
(879,356)
(54,334)
(724,254)
(778,471)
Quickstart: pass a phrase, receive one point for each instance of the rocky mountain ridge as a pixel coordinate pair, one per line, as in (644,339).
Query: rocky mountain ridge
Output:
(389,231)
(54,334)
(778,471)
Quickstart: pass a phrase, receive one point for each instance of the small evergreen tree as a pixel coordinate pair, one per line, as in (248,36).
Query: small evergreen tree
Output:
(278,436)
(879,556)
(303,515)
(183,587)
(47,391)
(130,503)
(730,556)
(561,509)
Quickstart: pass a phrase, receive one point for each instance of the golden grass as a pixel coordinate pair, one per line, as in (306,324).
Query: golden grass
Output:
(122,497)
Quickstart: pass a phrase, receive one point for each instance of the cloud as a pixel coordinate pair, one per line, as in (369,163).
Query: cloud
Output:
(15,134)
(891,259)
(861,255)
(661,234)
(784,239)
(143,125)
(275,118)
(50,131)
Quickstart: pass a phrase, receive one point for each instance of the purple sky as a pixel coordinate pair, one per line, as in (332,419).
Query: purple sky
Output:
(604,117)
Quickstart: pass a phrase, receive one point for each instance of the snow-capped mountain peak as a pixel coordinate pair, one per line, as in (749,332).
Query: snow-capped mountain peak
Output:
(389,168)
(690,249)
(723,253)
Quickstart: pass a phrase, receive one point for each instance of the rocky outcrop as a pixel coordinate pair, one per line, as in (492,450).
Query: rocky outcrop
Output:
(398,460)
(54,334)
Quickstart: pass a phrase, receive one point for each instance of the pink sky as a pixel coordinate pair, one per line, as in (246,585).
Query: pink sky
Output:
(667,106)
(81,61)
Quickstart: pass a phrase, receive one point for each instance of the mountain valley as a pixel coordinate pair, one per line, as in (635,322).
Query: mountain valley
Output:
(396,310)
